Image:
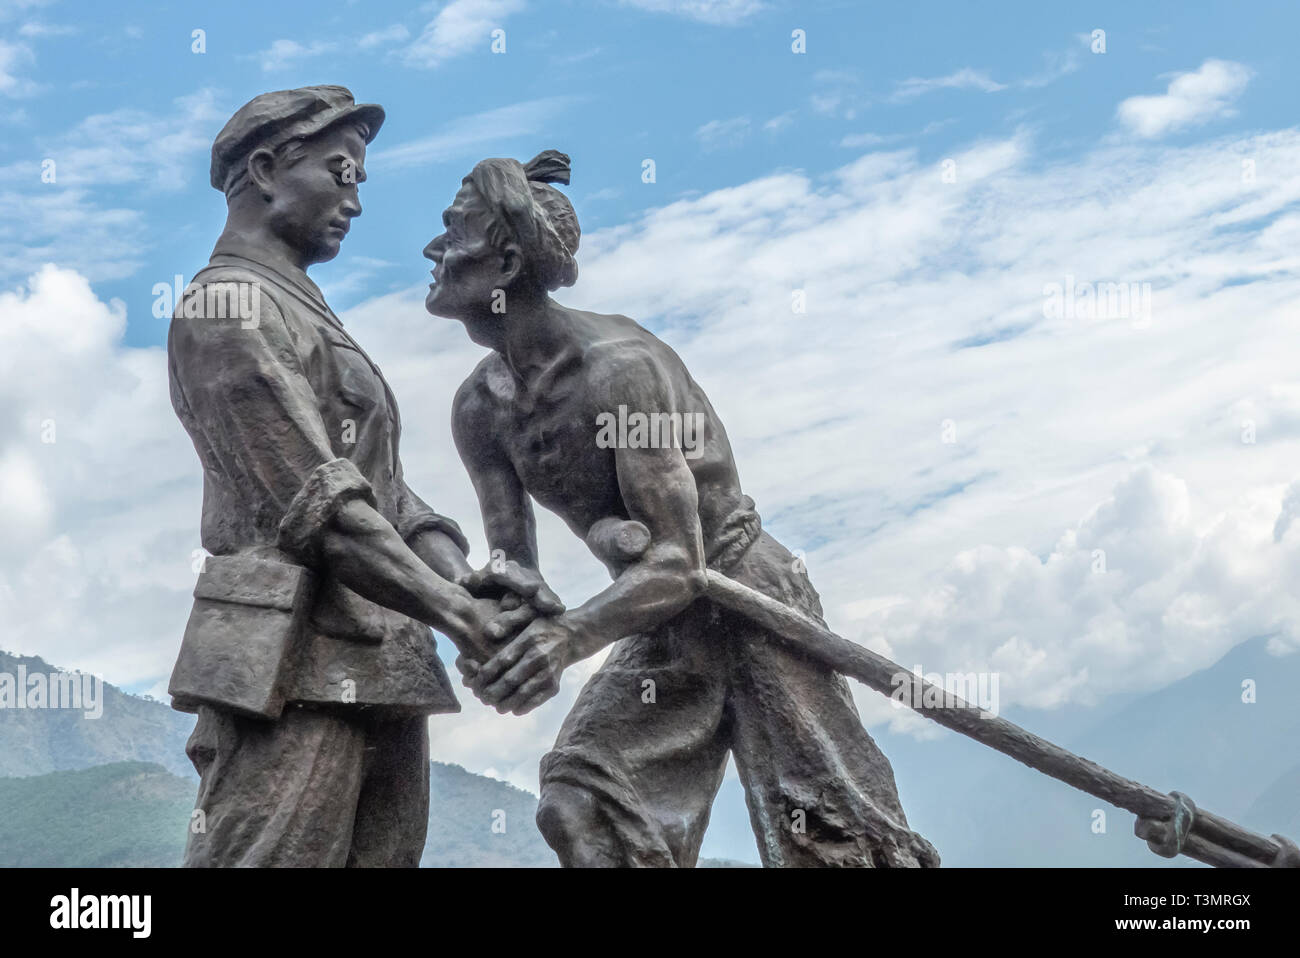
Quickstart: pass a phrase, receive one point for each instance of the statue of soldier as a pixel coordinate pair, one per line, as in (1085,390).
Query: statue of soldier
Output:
(308,656)
(639,759)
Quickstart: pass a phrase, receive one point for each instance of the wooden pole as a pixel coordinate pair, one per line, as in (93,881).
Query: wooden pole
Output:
(1210,839)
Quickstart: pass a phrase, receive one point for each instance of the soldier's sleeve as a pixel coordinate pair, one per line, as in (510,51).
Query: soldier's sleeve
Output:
(415,516)
(249,402)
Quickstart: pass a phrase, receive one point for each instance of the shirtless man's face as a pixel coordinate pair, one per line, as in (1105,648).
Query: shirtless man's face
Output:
(470,278)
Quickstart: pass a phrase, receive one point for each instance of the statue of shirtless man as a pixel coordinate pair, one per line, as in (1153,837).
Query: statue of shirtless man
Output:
(640,758)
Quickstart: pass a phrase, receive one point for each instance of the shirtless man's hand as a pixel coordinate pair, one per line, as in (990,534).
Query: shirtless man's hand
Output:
(526,672)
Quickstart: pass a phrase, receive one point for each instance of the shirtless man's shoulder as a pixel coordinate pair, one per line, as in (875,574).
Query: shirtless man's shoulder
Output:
(627,363)
(620,358)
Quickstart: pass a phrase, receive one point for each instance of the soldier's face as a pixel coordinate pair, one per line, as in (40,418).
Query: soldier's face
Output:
(468,274)
(314,193)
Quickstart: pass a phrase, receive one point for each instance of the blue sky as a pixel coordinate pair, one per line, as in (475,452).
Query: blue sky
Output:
(610,83)
(949,451)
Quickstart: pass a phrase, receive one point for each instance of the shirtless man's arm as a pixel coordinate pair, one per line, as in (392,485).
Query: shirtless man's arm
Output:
(658,490)
(508,519)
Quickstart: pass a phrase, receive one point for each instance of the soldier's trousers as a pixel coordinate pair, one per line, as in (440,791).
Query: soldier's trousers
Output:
(641,756)
(313,789)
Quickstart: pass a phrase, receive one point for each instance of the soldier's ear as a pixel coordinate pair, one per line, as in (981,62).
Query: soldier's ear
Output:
(261,171)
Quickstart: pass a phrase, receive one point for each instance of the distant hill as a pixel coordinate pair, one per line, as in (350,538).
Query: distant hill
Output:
(118,791)
(135,814)
(1195,736)
(34,741)
(127,814)
(462,810)
(1277,809)
(978,807)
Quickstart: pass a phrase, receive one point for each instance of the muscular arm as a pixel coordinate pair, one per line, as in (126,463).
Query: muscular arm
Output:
(512,572)
(508,518)
(658,490)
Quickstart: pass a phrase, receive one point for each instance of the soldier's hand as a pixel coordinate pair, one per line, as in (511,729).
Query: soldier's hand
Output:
(469,669)
(489,627)
(492,623)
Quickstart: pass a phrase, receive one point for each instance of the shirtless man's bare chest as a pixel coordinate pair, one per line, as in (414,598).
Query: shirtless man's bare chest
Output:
(549,436)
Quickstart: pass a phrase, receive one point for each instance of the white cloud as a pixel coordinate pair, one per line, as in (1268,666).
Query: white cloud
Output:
(69,225)
(24,505)
(98,493)
(925,303)
(139,146)
(458,28)
(723,12)
(1141,590)
(74,219)
(965,78)
(1290,509)
(37,28)
(859,140)
(282,54)
(463,135)
(723,134)
(1059,63)
(380,38)
(779,122)
(1192,99)
(13,8)
(13,58)
(837,92)
(1056,64)
(871,140)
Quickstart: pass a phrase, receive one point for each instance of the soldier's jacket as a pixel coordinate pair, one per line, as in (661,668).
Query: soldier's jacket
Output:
(291,419)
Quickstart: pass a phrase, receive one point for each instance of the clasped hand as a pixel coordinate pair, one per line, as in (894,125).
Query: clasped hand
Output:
(531,638)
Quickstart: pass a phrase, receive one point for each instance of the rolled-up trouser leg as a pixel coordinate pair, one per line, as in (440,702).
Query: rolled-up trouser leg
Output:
(820,792)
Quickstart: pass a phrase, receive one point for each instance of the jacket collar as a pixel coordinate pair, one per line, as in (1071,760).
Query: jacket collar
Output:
(232,247)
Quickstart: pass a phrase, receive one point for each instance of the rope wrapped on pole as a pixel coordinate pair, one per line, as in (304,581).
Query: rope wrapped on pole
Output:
(1171,824)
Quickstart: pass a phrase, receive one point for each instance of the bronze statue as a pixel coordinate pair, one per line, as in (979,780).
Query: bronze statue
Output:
(308,655)
(600,421)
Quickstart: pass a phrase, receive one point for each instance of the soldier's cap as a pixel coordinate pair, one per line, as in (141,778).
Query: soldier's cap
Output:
(275,118)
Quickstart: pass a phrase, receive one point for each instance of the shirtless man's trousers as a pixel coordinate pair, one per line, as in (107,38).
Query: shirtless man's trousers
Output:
(641,756)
